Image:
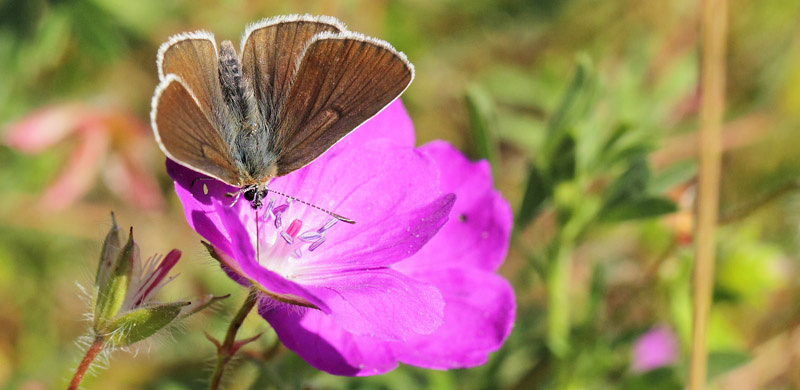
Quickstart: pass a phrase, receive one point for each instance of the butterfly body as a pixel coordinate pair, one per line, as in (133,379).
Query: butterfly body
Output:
(247,132)
(296,87)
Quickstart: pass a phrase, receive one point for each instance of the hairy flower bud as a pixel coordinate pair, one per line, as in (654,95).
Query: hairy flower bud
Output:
(141,323)
(124,286)
(111,295)
(109,253)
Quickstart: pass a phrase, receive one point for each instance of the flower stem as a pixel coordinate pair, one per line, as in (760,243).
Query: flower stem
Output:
(558,323)
(91,354)
(226,351)
(712,81)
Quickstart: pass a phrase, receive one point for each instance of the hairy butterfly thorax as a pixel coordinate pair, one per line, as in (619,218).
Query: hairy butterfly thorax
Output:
(250,133)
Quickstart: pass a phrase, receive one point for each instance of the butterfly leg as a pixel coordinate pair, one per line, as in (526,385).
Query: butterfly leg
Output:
(237,194)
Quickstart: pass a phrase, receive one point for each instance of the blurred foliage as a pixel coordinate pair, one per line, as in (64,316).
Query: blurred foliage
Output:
(587,111)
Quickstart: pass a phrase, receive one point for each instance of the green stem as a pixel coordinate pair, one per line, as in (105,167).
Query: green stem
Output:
(712,105)
(226,351)
(558,297)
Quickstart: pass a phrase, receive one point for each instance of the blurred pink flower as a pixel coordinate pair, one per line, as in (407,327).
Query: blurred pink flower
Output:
(656,348)
(109,141)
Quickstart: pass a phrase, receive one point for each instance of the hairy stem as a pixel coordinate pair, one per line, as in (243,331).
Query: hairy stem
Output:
(712,79)
(226,351)
(91,354)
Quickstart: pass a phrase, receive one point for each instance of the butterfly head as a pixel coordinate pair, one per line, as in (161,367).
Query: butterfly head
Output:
(254,195)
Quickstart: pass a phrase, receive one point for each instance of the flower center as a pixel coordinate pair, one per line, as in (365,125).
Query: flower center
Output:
(287,233)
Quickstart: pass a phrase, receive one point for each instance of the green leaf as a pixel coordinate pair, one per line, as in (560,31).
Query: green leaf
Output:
(630,185)
(627,198)
(572,107)
(558,122)
(664,378)
(619,132)
(631,152)
(480,109)
(675,174)
(722,362)
(562,164)
(647,207)
(536,193)
(623,144)
(141,323)
(111,295)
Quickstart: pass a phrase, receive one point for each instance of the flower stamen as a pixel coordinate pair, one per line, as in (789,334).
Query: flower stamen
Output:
(328,225)
(277,211)
(316,244)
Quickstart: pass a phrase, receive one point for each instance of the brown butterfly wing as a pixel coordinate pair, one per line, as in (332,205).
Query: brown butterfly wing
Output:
(185,134)
(342,80)
(193,58)
(270,51)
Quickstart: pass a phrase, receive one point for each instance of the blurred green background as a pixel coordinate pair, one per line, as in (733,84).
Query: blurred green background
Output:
(587,110)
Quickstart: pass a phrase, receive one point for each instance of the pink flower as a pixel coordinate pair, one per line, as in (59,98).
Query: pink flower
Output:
(656,348)
(413,281)
(110,141)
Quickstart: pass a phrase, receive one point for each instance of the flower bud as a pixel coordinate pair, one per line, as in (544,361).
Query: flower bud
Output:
(124,288)
(111,295)
(141,323)
(110,252)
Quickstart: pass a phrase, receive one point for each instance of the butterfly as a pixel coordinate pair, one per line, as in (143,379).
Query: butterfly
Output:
(297,85)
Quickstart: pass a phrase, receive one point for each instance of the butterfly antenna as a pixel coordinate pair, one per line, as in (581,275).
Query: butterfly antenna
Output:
(332,214)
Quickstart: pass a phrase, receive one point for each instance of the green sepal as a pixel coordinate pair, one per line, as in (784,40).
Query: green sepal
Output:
(204,303)
(139,324)
(111,295)
(109,253)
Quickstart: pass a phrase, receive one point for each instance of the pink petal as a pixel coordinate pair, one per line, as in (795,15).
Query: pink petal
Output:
(479,228)
(131,181)
(478,317)
(392,193)
(471,329)
(379,302)
(45,127)
(200,212)
(155,278)
(80,171)
(656,348)
(393,123)
(324,344)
